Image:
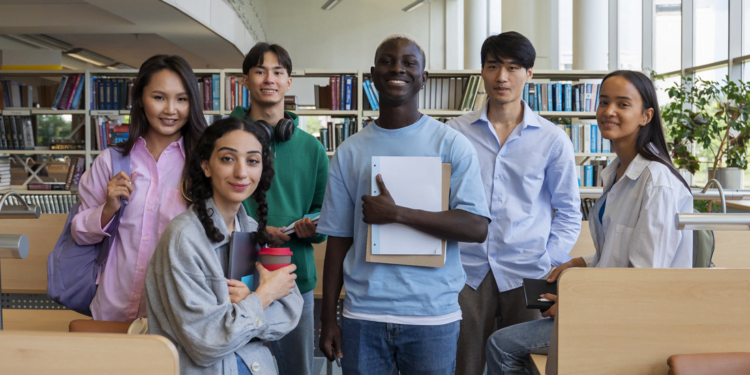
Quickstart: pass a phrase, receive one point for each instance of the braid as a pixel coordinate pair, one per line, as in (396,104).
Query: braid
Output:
(260,195)
(204,216)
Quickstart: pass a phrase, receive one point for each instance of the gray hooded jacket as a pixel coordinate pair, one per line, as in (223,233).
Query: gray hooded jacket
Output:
(188,301)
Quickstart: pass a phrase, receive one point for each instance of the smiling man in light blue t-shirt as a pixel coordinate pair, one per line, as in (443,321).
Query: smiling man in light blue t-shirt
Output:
(395,309)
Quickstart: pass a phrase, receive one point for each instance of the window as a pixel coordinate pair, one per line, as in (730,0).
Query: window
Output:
(495,17)
(565,20)
(711,34)
(662,86)
(716,75)
(630,34)
(667,35)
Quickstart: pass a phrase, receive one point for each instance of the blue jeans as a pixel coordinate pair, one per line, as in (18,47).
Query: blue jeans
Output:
(294,352)
(509,349)
(389,349)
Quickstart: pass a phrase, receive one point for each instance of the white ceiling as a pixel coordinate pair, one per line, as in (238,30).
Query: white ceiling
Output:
(128,31)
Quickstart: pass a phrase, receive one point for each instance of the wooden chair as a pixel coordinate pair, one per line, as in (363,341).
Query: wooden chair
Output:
(629,321)
(98,326)
(86,353)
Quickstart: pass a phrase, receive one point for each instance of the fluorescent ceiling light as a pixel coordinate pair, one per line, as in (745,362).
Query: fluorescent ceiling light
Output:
(43,41)
(415,5)
(330,4)
(90,57)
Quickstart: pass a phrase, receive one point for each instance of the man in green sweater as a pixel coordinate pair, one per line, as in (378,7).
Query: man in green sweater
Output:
(297,189)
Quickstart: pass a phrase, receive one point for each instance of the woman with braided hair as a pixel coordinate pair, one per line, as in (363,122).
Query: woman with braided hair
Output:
(218,324)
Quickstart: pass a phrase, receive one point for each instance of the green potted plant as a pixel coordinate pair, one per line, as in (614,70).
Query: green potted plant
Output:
(713,115)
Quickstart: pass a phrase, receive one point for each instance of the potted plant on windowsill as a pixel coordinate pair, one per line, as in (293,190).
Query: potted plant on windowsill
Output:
(715,116)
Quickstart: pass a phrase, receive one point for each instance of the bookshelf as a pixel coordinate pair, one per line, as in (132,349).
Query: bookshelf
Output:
(358,112)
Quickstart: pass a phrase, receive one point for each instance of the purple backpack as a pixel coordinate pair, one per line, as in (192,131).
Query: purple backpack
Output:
(72,269)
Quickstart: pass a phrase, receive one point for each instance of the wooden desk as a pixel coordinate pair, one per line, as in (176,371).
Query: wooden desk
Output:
(540,363)
(86,353)
(629,321)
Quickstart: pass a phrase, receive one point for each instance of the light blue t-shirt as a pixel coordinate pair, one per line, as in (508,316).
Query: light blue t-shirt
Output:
(375,288)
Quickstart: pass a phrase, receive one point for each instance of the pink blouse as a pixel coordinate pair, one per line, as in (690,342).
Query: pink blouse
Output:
(155,200)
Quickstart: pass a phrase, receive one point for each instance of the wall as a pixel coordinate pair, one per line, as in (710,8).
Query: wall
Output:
(346,36)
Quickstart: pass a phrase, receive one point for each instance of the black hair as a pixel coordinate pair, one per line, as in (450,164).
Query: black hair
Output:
(650,141)
(407,38)
(256,56)
(139,125)
(509,45)
(197,188)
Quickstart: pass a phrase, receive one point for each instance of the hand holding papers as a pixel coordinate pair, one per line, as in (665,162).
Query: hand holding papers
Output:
(420,183)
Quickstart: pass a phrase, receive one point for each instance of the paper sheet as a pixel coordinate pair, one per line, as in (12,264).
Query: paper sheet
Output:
(413,182)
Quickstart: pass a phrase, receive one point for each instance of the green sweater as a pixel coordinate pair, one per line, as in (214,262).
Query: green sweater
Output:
(297,189)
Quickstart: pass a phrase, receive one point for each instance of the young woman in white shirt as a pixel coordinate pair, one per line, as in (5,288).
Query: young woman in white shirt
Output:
(632,223)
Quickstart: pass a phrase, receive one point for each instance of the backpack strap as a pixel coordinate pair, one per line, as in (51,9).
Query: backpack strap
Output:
(120,163)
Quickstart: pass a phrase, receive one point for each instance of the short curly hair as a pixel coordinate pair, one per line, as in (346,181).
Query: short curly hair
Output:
(402,36)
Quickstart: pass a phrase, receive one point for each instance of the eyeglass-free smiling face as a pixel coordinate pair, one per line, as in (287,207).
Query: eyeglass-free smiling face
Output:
(269,82)
(166,104)
(235,167)
(398,73)
(620,114)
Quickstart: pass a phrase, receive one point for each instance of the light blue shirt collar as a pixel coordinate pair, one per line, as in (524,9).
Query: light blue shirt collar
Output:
(529,117)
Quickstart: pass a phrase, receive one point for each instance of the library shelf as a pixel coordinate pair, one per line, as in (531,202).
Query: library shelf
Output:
(324,112)
(428,112)
(42,152)
(18,111)
(24,191)
(565,114)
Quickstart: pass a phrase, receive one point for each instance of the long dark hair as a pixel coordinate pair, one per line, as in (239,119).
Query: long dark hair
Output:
(650,141)
(139,125)
(197,188)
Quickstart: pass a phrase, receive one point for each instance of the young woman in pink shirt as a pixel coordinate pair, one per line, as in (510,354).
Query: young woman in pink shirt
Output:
(166,123)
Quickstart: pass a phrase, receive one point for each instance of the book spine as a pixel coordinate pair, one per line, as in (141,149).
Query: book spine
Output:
(216,91)
(589,174)
(3,142)
(208,98)
(558,97)
(348,105)
(77,97)
(526,92)
(60,90)
(342,92)
(568,97)
(234,94)
(324,137)
(594,137)
(28,134)
(73,89)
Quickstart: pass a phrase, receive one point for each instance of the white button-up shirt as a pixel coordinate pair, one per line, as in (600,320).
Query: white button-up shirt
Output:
(524,180)
(639,225)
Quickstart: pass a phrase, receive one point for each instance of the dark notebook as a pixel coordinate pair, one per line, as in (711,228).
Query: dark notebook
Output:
(243,253)
(533,288)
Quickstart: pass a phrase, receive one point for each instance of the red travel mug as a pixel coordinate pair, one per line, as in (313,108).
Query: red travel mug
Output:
(275,258)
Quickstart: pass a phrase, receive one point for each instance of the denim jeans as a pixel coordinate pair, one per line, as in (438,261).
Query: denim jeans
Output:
(294,352)
(509,349)
(389,349)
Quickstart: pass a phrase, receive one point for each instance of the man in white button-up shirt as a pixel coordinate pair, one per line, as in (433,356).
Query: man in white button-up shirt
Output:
(528,170)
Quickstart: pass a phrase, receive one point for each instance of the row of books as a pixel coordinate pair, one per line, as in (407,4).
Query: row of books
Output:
(4,172)
(443,93)
(111,93)
(108,132)
(211,90)
(65,95)
(339,95)
(235,94)
(336,132)
(588,175)
(586,137)
(49,203)
(562,96)
(16,133)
